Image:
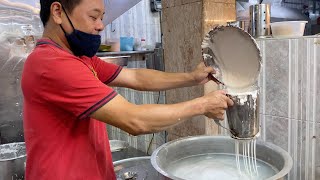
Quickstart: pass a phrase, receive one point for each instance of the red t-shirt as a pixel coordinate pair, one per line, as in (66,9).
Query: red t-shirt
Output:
(60,92)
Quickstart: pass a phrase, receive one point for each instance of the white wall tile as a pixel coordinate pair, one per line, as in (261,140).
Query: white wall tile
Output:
(289,82)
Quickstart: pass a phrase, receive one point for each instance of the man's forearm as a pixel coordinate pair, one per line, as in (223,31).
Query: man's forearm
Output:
(159,117)
(153,80)
(143,119)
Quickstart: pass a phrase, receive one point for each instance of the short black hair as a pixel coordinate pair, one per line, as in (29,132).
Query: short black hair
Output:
(45,5)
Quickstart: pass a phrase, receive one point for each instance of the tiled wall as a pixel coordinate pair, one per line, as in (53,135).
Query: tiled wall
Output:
(138,22)
(289,101)
(290,96)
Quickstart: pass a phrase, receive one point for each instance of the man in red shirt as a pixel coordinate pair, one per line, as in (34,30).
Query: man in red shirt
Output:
(68,96)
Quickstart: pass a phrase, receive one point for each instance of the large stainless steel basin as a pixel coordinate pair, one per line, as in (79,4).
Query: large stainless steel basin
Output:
(188,147)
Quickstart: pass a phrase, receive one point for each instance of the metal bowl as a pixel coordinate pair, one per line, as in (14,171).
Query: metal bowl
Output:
(138,168)
(182,148)
(12,161)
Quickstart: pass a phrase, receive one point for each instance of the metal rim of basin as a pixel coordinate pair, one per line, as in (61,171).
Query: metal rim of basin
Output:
(283,172)
(22,146)
(131,159)
(131,174)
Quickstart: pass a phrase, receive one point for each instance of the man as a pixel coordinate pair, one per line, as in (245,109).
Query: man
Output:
(68,96)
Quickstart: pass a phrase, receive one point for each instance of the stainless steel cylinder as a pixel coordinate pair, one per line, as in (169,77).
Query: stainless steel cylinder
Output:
(260,20)
(243,116)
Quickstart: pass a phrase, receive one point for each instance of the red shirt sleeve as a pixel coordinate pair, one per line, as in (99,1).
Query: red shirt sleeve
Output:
(69,84)
(106,72)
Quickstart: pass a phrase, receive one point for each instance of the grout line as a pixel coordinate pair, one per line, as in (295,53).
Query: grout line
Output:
(313,153)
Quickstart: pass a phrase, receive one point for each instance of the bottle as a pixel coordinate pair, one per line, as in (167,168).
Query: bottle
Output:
(143,44)
(137,44)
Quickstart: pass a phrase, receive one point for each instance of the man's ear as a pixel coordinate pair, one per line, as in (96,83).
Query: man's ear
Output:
(56,12)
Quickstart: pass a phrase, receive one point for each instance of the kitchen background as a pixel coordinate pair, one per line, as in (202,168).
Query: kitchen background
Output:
(171,38)
(289,80)
(282,10)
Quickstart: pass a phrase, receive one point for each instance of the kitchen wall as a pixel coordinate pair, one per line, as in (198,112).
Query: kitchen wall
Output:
(290,112)
(298,4)
(314,12)
(138,22)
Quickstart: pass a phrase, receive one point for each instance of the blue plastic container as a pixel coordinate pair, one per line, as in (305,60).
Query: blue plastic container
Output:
(126,43)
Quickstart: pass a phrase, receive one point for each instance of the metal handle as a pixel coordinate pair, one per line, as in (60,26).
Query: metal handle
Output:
(215,79)
(219,124)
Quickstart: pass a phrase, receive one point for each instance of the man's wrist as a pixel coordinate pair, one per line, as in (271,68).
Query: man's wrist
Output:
(191,79)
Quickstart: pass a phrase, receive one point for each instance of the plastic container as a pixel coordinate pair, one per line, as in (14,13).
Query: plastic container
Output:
(137,44)
(126,43)
(143,44)
(288,29)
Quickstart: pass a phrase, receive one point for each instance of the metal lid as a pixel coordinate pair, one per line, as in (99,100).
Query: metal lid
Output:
(234,54)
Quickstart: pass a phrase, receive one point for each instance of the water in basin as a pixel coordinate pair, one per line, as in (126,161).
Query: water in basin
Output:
(216,167)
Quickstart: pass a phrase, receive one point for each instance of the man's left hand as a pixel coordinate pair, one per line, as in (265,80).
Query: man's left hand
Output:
(201,74)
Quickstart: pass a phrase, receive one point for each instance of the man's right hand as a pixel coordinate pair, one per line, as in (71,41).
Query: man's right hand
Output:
(149,118)
(216,104)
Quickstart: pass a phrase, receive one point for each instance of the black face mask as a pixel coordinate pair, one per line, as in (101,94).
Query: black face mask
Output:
(81,43)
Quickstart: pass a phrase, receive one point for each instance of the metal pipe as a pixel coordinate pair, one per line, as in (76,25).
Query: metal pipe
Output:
(286,1)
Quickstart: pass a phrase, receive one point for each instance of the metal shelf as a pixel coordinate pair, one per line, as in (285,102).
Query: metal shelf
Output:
(121,53)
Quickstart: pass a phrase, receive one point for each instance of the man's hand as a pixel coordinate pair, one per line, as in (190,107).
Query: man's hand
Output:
(216,104)
(201,74)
